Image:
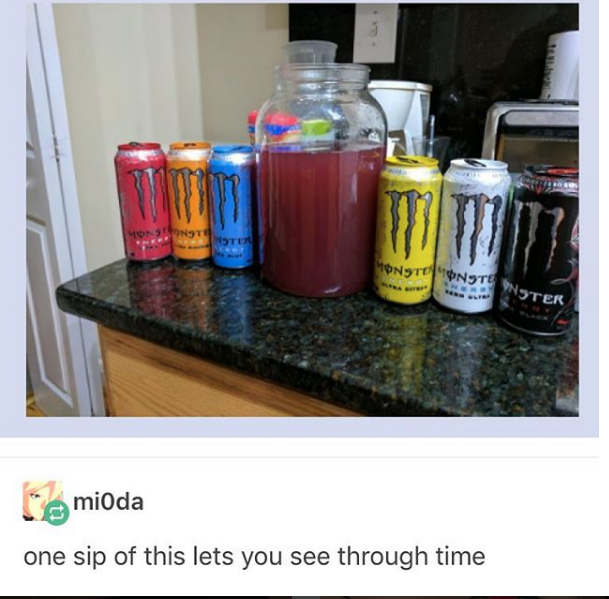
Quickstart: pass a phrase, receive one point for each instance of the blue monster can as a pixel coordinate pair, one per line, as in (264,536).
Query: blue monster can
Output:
(232,174)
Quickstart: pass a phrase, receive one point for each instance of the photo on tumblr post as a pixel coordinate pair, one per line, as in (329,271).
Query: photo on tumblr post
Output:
(303,210)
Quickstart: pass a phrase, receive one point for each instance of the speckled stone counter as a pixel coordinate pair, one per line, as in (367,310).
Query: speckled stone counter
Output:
(360,352)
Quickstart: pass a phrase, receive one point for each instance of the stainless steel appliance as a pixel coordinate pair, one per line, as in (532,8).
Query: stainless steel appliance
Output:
(532,132)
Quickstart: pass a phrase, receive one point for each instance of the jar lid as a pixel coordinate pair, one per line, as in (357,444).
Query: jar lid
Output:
(329,72)
(412,161)
(190,145)
(310,51)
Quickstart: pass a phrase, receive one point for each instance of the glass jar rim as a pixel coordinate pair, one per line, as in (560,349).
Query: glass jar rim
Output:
(326,72)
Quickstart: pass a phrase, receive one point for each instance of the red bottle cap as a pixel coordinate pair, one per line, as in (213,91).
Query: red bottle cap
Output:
(283,119)
(251,117)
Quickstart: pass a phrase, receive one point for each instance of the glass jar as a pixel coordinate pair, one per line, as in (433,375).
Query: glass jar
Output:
(322,141)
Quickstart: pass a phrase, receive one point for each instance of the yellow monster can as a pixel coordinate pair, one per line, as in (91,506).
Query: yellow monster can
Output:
(406,228)
(188,200)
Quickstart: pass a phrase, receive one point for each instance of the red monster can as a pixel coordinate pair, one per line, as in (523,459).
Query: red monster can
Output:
(142,193)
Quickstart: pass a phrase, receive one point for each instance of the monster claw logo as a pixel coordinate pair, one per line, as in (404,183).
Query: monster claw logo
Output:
(573,276)
(176,190)
(412,197)
(480,200)
(395,196)
(532,211)
(235,181)
(557,214)
(427,198)
(185,174)
(200,178)
(222,179)
(149,174)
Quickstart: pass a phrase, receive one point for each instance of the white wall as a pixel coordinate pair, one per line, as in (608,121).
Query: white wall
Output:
(239,45)
(131,72)
(157,72)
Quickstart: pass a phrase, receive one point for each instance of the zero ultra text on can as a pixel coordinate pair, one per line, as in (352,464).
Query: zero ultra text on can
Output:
(474,202)
(232,187)
(140,178)
(406,227)
(540,265)
(188,201)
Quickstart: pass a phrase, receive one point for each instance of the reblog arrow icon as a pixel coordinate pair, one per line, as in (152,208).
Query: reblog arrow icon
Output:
(56,512)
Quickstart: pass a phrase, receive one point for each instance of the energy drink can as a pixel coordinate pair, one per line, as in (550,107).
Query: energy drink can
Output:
(474,200)
(142,193)
(540,264)
(232,186)
(188,201)
(406,227)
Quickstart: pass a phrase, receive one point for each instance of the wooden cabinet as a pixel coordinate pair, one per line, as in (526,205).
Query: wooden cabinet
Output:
(146,379)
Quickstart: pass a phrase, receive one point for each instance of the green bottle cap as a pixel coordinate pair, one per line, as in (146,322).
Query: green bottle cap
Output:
(316,127)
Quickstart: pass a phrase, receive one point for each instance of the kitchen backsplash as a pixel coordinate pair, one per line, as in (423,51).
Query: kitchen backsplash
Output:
(472,54)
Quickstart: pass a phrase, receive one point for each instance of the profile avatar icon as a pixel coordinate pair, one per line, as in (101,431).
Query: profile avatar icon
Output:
(37,495)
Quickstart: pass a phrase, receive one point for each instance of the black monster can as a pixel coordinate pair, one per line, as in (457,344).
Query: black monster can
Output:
(540,264)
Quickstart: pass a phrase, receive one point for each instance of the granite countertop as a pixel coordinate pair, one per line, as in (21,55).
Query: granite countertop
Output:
(361,352)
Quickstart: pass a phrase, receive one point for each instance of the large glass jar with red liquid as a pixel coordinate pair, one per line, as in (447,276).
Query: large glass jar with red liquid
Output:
(322,140)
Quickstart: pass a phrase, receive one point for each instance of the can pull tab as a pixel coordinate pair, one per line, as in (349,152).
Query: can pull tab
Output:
(135,144)
(407,160)
(473,162)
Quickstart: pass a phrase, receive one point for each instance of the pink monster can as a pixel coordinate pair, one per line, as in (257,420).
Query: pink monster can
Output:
(142,192)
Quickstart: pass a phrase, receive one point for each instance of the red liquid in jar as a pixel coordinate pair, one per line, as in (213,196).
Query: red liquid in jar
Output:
(320,212)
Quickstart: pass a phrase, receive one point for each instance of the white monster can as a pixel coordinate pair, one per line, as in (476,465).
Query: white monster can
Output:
(472,214)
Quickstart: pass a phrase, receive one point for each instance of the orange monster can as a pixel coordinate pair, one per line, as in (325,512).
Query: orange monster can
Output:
(188,200)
